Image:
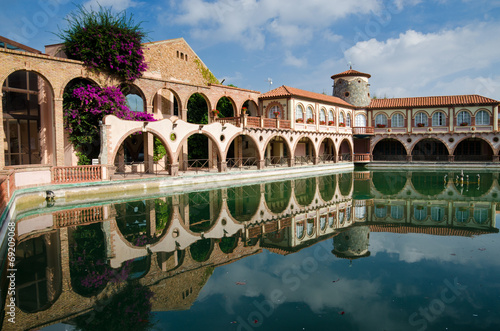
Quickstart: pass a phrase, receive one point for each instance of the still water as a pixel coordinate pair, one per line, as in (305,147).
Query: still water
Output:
(346,251)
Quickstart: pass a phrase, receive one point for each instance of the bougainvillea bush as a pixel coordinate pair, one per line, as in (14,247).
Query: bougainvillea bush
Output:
(106,42)
(84,107)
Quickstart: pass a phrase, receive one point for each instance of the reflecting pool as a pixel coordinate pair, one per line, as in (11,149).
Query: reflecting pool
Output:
(362,250)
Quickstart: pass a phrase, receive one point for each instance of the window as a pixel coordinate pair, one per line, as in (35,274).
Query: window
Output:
(481,215)
(275,112)
(381,120)
(309,113)
(420,212)
(380,211)
(397,121)
(437,214)
(299,112)
(341,118)
(482,118)
(360,121)
(439,119)
(397,212)
(463,118)
(348,121)
(421,119)
(331,116)
(322,117)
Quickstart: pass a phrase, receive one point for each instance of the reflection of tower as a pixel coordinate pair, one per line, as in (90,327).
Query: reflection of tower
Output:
(352,86)
(352,243)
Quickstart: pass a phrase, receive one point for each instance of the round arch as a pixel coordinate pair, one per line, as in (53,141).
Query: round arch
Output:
(210,137)
(430,149)
(345,150)
(473,149)
(389,149)
(304,150)
(277,150)
(250,107)
(167,102)
(131,90)
(226,107)
(249,147)
(327,150)
(195,101)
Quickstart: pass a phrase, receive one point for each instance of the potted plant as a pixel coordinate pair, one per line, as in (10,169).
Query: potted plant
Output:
(464,124)
(420,125)
(342,125)
(276,114)
(310,121)
(215,112)
(331,123)
(299,120)
(322,122)
(380,125)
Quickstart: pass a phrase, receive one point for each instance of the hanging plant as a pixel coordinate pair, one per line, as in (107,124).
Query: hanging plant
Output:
(106,42)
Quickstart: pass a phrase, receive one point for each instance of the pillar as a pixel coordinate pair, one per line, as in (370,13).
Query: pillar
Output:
(59,131)
(451,158)
(261,164)
(148,152)
(222,166)
(173,169)
(409,158)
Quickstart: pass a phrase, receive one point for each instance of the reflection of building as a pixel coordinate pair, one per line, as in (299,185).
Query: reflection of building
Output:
(172,244)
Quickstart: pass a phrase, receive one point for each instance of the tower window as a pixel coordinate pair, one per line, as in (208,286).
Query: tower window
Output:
(347,94)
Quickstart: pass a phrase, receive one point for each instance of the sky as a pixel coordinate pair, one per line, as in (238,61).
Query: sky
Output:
(410,47)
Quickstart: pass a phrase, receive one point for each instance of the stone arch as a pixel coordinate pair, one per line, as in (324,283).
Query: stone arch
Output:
(211,139)
(473,149)
(286,152)
(389,149)
(326,150)
(155,133)
(223,102)
(132,89)
(430,149)
(247,143)
(165,106)
(207,101)
(28,99)
(70,79)
(304,146)
(251,106)
(345,150)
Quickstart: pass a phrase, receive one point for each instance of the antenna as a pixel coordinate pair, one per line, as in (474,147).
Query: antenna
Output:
(270,81)
(350,65)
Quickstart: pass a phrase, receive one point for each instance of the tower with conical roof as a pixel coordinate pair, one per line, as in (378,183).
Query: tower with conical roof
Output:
(353,87)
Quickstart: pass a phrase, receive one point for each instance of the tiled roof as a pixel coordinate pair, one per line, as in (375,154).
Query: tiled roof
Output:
(439,231)
(452,100)
(351,72)
(286,91)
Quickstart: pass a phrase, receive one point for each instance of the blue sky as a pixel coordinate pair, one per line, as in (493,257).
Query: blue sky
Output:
(410,47)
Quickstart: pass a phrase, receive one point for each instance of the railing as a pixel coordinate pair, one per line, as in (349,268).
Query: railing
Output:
(231,120)
(85,173)
(363,130)
(327,158)
(276,161)
(345,157)
(198,165)
(285,124)
(299,160)
(362,157)
(389,157)
(253,122)
(474,158)
(247,162)
(78,216)
(270,123)
(430,158)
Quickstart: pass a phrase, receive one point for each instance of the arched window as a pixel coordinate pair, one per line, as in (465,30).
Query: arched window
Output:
(481,215)
(439,119)
(360,121)
(420,213)
(322,117)
(397,212)
(463,118)
(437,214)
(331,117)
(275,112)
(381,211)
(421,119)
(482,118)
(300,230)
(341,118)
(309,113)
(397,120)
(348,120)
(381,120)
(299,113)
(462,214)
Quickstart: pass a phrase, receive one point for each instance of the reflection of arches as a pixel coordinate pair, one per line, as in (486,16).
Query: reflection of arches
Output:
(39,265)
(204,209)
(228,244)
(473,149)
(389,149)
(429,149)
(243,201)
(474,184)
(389,183)
(200,250)
(169,261)
(428,183)
(28,119)
(327,186)
(345,183)
(277,196)
(138,267)
(305,190)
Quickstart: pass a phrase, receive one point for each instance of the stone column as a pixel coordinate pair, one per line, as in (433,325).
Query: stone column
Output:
(451,158)
(173,169)
(291,161)
(59,131)
(261,164)
(148,152)
(409,158)
(495,158)
(222,166)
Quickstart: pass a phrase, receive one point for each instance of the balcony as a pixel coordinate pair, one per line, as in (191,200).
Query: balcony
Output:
(363,131)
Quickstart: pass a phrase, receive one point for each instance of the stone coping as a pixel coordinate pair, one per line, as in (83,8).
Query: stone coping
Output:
(431,165)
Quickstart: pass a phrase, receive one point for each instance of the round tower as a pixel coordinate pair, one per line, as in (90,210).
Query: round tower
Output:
(353,87)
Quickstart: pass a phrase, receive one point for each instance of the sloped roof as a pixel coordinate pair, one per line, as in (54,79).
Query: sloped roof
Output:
(437,101)
(351,72)
(438,231)
(287,91)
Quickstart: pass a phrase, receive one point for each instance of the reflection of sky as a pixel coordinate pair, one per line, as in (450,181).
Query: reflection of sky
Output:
(380,292)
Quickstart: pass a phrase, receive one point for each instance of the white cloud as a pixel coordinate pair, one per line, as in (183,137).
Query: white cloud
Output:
(117,5)
(249,21)
(293,61)
(416,62)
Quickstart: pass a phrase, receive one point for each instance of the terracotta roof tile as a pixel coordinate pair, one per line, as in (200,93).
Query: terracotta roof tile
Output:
(440,101)
(439,231)
(286,91)
(351,72)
